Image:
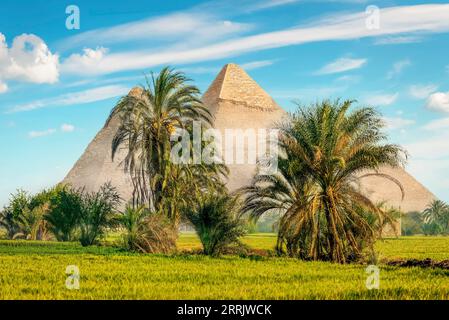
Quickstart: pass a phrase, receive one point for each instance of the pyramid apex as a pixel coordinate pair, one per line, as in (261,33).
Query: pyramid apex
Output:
(235,85)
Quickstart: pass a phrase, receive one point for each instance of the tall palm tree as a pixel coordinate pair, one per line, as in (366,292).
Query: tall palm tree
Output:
(437,212)
(148,119)
(325,151)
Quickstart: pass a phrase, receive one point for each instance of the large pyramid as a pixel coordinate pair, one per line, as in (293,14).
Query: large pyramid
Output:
(237,102)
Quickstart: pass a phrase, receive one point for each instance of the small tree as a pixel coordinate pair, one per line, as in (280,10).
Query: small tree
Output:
(215,222)
(436,218)
(11,215)
(63,215)
(97,213)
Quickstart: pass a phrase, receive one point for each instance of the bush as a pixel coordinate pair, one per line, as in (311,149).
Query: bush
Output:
(64,212)
(215,222)
(147,232)
(11,215)
(432,228)
(97,213)
(23,218)
(411,224)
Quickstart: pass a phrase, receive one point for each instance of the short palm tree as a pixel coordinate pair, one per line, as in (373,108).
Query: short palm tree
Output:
(145,231)
(325,151)
(215,220)
(148,120)
(437,212)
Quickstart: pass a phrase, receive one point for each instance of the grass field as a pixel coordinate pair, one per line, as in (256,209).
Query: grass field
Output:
(36,270)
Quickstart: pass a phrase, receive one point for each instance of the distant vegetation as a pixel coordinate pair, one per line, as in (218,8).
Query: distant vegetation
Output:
(312,202)
(433,220)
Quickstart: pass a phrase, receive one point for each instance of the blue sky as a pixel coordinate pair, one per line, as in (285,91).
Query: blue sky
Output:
(57,85)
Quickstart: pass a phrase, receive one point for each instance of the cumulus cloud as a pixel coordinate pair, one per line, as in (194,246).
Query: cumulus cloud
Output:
(382,99)
(87,60)
(438,101)
(28,59)
(422,91)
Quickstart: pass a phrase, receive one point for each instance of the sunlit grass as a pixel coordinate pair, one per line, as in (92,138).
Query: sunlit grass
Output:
(36,270)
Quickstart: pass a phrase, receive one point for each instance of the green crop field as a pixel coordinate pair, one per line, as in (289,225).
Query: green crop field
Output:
(36,270)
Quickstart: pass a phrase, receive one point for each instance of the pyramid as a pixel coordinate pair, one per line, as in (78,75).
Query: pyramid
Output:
(237,102)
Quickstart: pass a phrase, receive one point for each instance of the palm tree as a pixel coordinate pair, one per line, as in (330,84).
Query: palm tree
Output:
(326,151)
(437,212)
(145,231)
(148,120)
(216,223)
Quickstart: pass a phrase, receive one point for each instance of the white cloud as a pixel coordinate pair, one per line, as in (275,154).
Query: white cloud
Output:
(430,18)
(438,101)
(381,99)
(309,93)
(422,91)
(3,87)
(80,97)
(398,67)
(432,172)
(37,134)
(395,123)
(272,3)
(429,161)
(188,27)
(434,147)
(437,124)
(397,40)
(87,60)
(67,127)
(342,65)
(214,70)
(28,59)
(257,64)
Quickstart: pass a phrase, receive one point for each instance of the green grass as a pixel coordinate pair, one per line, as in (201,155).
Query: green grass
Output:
(36,270)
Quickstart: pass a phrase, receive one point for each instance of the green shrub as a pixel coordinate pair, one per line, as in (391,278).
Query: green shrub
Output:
(64,213)
(11,215)
(147,232)
(411,224)
(97,213)
(215,222)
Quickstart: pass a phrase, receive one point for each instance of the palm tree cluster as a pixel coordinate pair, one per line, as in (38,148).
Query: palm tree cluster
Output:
(326,150)
(162,190)
(148,120)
